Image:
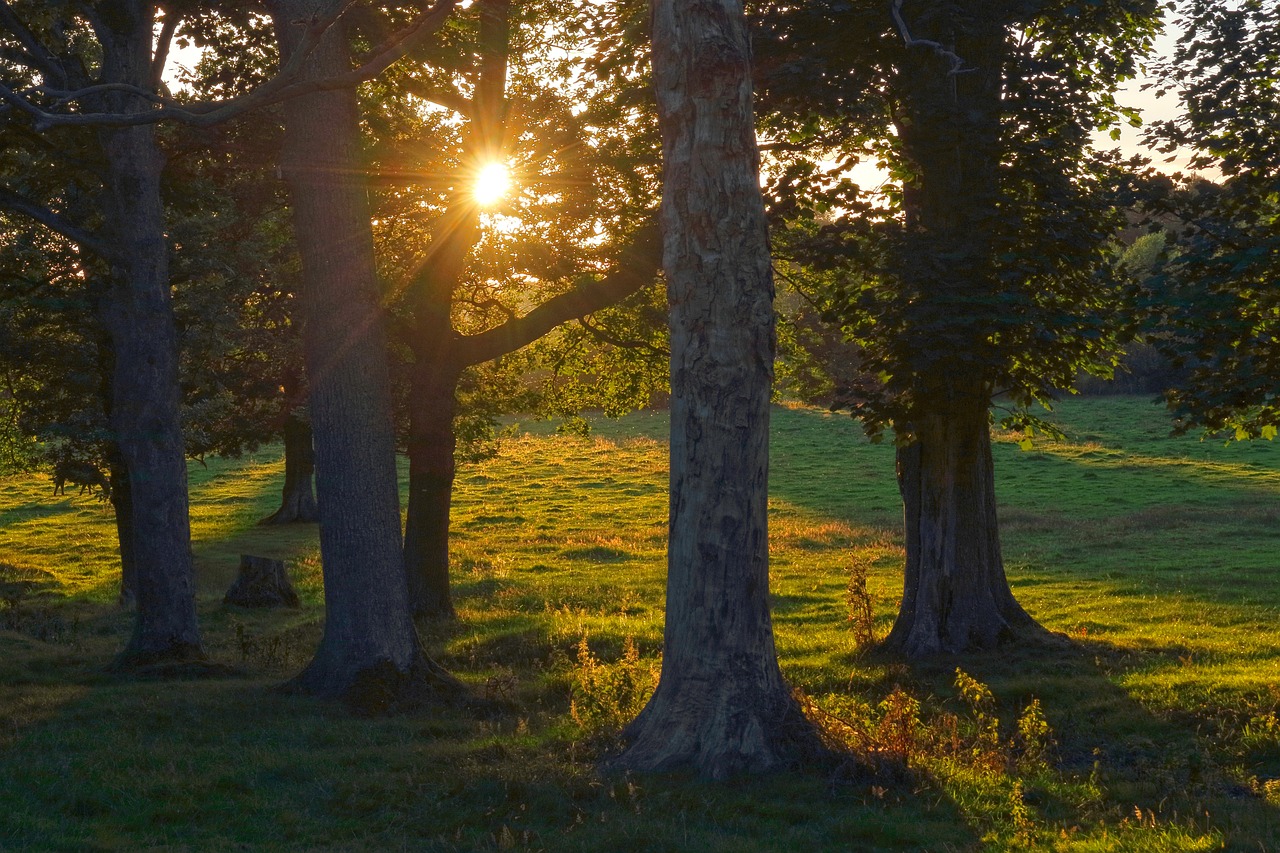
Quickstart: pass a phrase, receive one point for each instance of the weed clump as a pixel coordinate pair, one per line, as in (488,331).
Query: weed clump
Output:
(605,697)
(861,611)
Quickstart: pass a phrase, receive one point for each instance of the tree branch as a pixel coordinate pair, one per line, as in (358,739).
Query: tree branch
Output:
(937,47)
(9,200)
(281,87)
(163,42)
(637,267)
(40,58)
(450,100)
(607,337)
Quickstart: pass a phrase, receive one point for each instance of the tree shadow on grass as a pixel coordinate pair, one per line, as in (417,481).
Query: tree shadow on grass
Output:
(1116,763)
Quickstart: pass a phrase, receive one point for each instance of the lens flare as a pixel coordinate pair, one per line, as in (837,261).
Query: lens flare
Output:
(492,183)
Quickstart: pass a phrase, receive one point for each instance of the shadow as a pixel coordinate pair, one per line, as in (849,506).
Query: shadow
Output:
(1116,753)
(36,511)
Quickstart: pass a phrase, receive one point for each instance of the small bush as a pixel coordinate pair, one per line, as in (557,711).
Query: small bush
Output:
(608,696)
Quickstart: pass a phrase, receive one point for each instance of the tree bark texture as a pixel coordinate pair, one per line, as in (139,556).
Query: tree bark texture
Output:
(721,707)
(298,498)
(138,314)
(370,653)
(956,598)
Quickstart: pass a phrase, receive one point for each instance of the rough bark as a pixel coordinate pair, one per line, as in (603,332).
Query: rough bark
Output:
(370,653)
(721,706)
(298,499)
(956,598)
(137,312)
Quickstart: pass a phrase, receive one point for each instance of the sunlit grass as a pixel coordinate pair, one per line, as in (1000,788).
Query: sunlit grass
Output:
(1157,557)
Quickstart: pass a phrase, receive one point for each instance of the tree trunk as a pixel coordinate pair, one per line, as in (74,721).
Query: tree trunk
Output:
(370,653)
(138,315)
(955,596)
(721,706)
(433,396)
(298,500)
(432,406)
(122,503)
(117,473)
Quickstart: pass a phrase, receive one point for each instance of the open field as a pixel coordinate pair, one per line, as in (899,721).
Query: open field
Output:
(1157,728)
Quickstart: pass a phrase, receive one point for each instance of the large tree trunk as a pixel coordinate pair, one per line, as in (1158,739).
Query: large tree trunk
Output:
(955,597)
(138,314)
(370,653)
(433,396)
(432,406)
(721,706)
(298,498)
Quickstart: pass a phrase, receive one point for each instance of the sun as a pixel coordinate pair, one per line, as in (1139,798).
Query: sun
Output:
(492,182)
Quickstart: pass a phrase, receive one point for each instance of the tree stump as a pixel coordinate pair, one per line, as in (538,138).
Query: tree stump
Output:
(262,582)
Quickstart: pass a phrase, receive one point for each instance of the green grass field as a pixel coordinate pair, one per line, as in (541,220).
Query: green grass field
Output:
(1157,729)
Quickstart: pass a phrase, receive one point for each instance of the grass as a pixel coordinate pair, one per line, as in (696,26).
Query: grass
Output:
(1158,729)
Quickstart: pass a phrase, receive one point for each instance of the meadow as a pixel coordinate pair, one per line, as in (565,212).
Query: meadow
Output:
(1154,727)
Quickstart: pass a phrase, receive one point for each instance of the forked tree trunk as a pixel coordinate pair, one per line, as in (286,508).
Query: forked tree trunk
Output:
(721,706)
(298,498)
(955,597)
(370,653)
(138,315)
(432,441)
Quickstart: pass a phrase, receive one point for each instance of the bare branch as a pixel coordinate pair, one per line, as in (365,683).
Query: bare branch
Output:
(9,200)
(957,64)
(40,58)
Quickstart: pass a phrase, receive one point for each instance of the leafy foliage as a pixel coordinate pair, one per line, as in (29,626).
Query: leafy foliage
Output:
(1215,304)
(1026,296)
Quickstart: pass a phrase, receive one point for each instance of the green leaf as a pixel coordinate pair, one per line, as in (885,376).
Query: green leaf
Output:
(1269,432)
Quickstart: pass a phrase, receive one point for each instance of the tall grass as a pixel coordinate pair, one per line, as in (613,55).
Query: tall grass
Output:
(1157,729)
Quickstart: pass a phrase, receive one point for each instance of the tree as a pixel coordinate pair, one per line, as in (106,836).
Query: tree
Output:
(721,706)
(1214,304)
(129,253)
(985,272)
(370,653)
(477,294)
